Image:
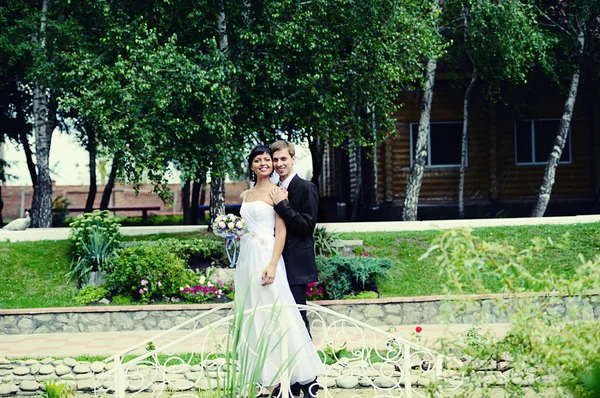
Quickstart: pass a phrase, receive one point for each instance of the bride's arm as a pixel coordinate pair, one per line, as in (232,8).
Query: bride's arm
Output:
(268,275)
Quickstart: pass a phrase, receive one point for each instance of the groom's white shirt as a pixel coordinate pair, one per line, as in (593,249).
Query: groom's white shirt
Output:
(286,183)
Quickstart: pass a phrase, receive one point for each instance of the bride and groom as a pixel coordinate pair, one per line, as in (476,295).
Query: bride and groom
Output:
(276,262)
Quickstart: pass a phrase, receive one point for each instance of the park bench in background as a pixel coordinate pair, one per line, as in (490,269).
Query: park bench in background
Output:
(143,209)
(230,208)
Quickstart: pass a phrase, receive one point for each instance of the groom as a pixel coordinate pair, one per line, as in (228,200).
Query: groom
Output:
(297,202)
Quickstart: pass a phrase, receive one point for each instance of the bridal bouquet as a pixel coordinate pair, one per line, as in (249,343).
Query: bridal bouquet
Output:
(229,226)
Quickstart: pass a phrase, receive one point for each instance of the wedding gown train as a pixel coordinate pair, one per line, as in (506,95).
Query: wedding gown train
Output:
(263,330)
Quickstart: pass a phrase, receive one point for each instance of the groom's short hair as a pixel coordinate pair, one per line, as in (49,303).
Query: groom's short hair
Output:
(282,144)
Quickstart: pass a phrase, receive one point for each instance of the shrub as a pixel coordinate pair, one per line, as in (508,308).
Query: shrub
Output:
(326,243)
(148,271)
(84,225)
(97,254)
(91,294)
(314,291)
(207,291)
(563,353)
(342,276)
(184,248)
(365,294)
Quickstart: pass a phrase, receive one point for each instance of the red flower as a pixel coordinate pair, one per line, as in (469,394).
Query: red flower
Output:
(418,329)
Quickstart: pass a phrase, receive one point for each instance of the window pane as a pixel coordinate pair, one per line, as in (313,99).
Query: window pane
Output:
(445,143)
(523,138)
(545,133)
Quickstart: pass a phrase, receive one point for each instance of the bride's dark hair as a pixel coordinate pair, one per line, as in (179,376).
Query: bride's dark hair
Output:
(257,150)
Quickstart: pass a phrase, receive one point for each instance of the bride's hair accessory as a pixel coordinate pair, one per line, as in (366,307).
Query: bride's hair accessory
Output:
(229,226)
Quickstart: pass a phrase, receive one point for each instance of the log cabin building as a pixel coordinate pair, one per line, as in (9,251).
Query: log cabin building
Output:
(507,153)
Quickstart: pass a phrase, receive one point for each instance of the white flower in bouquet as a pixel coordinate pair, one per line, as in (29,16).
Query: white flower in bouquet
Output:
(229,226)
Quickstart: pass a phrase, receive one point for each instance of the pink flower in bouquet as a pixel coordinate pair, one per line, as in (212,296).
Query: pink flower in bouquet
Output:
(230,225)
(239,225)
(222,224)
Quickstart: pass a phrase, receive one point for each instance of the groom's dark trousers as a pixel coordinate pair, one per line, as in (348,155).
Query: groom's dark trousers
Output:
(300,215)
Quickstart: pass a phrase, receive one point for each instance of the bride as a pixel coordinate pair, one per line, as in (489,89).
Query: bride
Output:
(261,280)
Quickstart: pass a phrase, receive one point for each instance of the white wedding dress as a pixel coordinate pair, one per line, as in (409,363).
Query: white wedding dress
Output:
(265,329)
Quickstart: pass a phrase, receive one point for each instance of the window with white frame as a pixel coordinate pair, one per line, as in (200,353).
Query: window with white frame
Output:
(443,146)
(534,140)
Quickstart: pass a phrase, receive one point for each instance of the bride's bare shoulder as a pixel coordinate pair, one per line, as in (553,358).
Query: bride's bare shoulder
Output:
(243,194)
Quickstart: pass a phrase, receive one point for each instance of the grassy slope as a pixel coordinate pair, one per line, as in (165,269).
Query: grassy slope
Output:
(32,273)
(410,277)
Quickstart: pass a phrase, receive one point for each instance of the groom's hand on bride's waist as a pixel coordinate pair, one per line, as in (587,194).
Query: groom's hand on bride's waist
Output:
(278,194)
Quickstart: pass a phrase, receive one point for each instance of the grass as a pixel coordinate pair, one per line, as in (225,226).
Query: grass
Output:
(32,273)
(411,277)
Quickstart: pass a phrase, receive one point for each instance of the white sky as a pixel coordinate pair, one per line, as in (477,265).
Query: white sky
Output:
(69,162)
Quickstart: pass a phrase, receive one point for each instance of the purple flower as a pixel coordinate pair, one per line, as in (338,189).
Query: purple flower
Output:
(159,283)
(141,291)
(144,282)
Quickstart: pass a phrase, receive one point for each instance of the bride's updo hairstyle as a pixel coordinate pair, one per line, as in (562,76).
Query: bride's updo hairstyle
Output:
(257,150)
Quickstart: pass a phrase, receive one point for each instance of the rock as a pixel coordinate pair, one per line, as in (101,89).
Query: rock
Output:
(35,368)
(57,362)
(180,385)
(40,378)
(207,384)
(62,370)
(104,301)
(47,361)
(97,367)
(4,361)
(80,369)
(88,385)
(8,389)
(45,370)
(25,325)
(196,368)
(21,371)
(70,362)
(84,376)
(365,382)
(347,381)
(385,382)
(30,362)
(29,385)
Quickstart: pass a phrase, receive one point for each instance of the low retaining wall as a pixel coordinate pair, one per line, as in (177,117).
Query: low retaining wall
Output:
(483,309)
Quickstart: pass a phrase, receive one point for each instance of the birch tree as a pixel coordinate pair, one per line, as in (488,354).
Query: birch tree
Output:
(502,42)
(574,24)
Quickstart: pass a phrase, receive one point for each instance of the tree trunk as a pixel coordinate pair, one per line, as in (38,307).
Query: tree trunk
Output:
(357,152)
(217,184)
(1,205)
(411,197)
(91,147)
(27,149)
(196,185)
(108,188)
(317,148)
(185,202)
(44,117)
(561,138)
(463,148)
(217,199)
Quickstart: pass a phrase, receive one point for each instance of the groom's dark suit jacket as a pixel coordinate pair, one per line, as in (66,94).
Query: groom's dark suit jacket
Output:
(300,215)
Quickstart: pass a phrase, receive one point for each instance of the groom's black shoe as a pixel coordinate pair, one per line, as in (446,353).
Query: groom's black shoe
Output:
(294,391)
(311,389)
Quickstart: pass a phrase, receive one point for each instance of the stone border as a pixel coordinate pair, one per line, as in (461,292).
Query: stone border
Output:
(376,312)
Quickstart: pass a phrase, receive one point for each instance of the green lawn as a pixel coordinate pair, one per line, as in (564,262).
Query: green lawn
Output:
(32,274)
(411,277)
